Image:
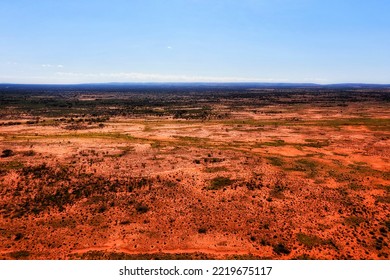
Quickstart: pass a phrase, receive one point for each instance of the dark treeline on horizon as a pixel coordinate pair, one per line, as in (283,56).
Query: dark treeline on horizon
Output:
(183,86)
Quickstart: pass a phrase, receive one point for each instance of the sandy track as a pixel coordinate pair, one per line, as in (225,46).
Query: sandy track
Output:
(175,251)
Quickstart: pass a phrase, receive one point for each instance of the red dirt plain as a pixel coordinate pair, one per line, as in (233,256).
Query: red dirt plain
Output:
(252,174)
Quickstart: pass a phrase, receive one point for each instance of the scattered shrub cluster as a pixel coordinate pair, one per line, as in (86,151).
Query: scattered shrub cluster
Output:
(7,153)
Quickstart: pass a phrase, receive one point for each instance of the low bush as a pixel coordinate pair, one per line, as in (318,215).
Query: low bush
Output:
(7,153)
(281,249)
(142,208)
(219,183)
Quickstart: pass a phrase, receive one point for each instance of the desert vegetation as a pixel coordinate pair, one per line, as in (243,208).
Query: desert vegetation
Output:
(194,173)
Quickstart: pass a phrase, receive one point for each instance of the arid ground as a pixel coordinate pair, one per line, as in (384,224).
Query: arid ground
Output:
(189,173)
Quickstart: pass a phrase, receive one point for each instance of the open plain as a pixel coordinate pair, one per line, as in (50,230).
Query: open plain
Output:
(194,173)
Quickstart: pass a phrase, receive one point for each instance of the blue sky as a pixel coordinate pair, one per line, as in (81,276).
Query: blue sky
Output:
(76,41)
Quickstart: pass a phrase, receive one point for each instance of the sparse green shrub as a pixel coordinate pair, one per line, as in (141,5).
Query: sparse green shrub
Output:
(264,242)
(277,191)
(7,153)
(354,186)
(219,183)
(276,143)
(11,165)
(316,143)
(20,255)
(18,236)
(102,209)
(29,153)
(281,249)
(37,171)
(309,240)
(339,176)
(142,208)
(275,161)
(354,220)
(212,160)
(306,165)
(387,224)
(383,199)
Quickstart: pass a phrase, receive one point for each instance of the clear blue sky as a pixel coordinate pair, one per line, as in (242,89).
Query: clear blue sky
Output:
(73,41)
